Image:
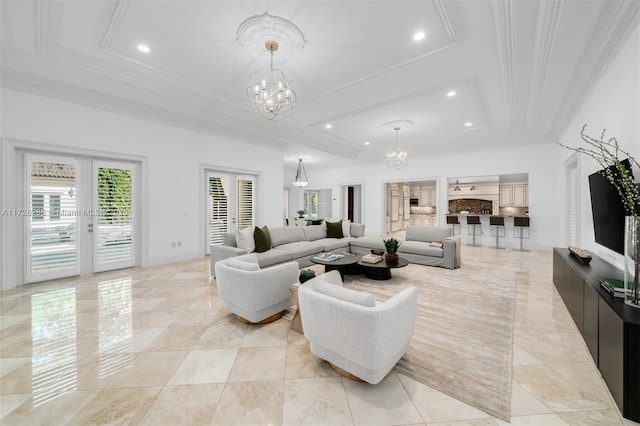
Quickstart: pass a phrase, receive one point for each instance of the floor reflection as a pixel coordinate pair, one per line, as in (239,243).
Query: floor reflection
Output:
(115,325)
(53,333)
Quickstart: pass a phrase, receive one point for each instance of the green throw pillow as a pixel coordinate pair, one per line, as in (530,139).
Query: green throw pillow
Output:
(262,238)
(334,229)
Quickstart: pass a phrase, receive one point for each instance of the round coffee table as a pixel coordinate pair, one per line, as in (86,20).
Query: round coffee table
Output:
(381,270)
(346,265)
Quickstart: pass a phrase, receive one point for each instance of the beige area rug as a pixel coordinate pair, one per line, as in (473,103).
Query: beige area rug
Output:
(462,345)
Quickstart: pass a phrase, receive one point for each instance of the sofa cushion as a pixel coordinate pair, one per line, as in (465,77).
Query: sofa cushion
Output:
(421,248)
(242,264)
(301,248)
(334,229)
(245,239)
(348,295)
(262,238)
(346,228)
(331,244)
(273,256)
(315,232)
(286,234)
(427,233)
(357,230)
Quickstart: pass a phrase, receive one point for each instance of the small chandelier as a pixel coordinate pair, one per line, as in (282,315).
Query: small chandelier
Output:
(396,157)
(269,92)
(457,187)
(301,175)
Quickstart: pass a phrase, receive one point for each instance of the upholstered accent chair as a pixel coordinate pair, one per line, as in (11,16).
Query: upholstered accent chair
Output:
(353,332)
(255,295)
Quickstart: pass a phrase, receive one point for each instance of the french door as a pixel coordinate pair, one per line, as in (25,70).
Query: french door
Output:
(80,217)
(230,205)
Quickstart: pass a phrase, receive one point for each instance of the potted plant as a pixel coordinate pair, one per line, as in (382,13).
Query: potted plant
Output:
(391,246)
(300,213)
(306,275)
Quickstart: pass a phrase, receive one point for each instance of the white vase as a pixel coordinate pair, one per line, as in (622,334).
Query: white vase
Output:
(632,260)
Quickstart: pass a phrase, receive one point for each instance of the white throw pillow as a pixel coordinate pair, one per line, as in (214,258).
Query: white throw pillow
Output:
(346,228)
(346,294)
(242,265)
(244,240)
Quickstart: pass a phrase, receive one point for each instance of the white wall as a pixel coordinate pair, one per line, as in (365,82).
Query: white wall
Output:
(174,156)
(543,188)
(614,105)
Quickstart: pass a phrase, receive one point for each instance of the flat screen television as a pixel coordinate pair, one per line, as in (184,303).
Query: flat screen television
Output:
(608,211)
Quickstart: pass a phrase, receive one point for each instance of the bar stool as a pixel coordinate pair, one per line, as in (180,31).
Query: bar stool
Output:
(496,223)
(520,224)
(453,221)
(475,222)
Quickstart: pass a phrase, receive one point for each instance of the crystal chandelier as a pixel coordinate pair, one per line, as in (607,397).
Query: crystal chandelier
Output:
(269,92)
(396,157)
(301,175)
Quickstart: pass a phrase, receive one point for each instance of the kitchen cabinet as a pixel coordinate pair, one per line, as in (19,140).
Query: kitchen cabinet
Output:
(514,195)
(415,192)
(427,195)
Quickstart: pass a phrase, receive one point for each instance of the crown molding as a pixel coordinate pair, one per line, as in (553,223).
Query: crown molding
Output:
(119,12)
(7,39)
(503,16)
(48,21)
(617,21)
(547,22)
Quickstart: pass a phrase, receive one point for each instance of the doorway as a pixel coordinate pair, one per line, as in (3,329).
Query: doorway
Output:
(230,205)
(81,216)
(352,201)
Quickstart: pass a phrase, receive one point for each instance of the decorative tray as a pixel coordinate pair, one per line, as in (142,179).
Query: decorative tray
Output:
(582,255)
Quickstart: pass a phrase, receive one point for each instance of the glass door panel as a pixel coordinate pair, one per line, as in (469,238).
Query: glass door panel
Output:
(52,244)
(113,223)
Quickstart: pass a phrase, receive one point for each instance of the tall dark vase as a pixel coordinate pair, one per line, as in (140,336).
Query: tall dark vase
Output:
(632,261)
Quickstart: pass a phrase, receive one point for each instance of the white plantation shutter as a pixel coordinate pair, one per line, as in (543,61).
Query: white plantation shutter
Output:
(245,203)
(113,224)
(218,211)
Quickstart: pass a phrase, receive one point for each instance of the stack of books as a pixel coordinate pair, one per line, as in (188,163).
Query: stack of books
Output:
(371,258)
(613,286)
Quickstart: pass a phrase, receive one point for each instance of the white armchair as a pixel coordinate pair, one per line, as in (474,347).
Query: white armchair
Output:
(351,331)
(255,295)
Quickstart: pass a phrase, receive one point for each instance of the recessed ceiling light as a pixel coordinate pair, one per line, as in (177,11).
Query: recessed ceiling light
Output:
(328,125)
(144,48)
(451,93)
(468,124)
(419,35)
(367,143)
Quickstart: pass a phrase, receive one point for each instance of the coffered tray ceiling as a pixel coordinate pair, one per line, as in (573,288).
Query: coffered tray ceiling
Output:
(519,69)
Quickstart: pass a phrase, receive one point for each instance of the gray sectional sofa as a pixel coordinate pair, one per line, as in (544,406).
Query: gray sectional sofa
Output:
(299,244)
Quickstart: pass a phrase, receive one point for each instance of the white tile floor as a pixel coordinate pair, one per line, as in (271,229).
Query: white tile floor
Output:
(155,346)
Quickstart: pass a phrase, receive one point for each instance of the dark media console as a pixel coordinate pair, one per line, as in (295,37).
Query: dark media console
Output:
(610,328)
